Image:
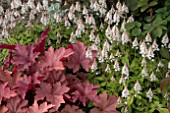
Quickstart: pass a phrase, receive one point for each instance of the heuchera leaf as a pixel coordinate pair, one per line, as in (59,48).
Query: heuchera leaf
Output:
(6,92)
(17,105)
(43,107)
(3,109)
(24,57)
(53,93)
(71,109)
(107,104)
(78,58)
(40,43)
(52,59)
(85,91)
(24,85)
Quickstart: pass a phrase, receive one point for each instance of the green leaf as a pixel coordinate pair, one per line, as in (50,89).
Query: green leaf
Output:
(130,100)
(142,3)
(165,53)
(153,3)
(157,32)
(161,10)
(129,26)
(163,110)
(137,24)
(144,8)
(136,32)
(103,84)
(146,26)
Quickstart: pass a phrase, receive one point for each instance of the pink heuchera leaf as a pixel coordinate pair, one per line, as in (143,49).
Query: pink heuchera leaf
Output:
(52,59)
(78,58)
(3,109)
(71,109)
(17,105)
(40,43)
(53,93)
(43,107)
(24,85)
(24,57)
(107,104)
(84,92)
(6,92)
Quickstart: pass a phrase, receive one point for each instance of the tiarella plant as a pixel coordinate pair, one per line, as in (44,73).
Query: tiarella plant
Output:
(127,54)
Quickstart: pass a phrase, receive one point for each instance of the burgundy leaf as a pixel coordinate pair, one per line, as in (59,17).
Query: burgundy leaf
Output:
(40,43)
(53,93)
(6,92)
(24,57)
(17,105)
(78,58)
(3,109)
(107,104)
(84,92)
(7,46)
(71,109)
(24,85)
(52,59)
(35,108)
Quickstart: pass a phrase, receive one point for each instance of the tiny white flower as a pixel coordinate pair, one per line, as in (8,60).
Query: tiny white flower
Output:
(148,38)
(155,46)
(116,66)
(111,58)
(92,36)
(150,53)
(169,65)
(96,6)
(143,49)
(122,29)
(125,8)
(107,68)
(89,54)
(135,43)
(160,64)
(94,47)
(97,40)
(1,10)
(137,87)
(166,96)
(125,38)
(144,72)
(115,34)
(143,63)
(112,78)
(72,38)
(125,70)
(116,17)
(130,19)
(94,66)
(153,77)
(118,54)
(167,75)
(39,6)
(78,7)
(165,40)
(45,4)
(121,80)
(125,92)
(31,4)
(149,94)
(85,11)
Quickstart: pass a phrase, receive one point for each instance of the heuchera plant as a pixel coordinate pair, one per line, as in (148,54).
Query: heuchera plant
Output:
(39,81)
